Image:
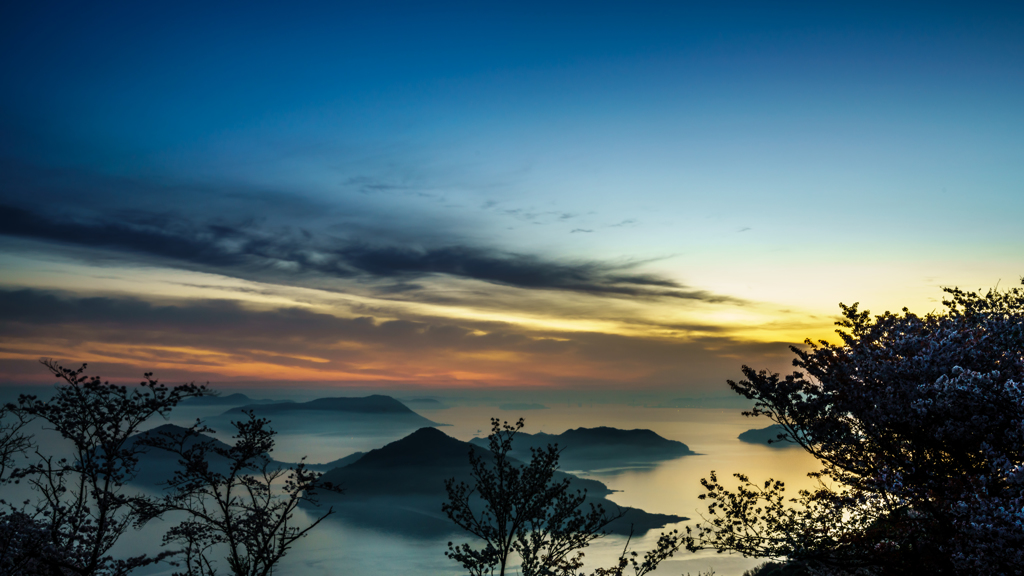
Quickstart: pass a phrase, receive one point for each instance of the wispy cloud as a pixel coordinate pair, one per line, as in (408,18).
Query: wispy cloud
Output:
(278,252)
(222,339)
(624,223)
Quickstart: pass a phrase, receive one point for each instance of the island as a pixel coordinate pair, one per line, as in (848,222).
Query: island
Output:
(424,403)
(236,399)
(768,436)
(346,415)
(401,486)
(156,466)
(601,447)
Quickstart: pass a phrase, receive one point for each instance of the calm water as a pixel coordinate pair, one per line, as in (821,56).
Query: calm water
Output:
(338,547)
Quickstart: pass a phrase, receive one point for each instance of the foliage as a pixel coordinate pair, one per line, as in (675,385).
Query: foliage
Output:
(237,506)
(14,442)
(21,535)
(526,512)
(22,543)
(918,422)
(668,544)
(777,569)
(82,504)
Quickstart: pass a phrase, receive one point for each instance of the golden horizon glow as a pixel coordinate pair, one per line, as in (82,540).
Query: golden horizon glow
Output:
(719,329)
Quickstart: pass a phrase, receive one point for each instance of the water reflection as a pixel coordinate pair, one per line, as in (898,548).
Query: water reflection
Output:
(669,487)
(361,539)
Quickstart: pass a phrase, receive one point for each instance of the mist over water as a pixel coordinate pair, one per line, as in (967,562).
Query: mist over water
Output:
(340,546)
(343,544)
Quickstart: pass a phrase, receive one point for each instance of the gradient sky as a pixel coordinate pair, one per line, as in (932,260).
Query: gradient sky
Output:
(593,195)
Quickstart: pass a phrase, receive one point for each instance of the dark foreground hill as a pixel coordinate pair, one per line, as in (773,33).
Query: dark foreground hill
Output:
(768,436)
(602,447)
(400,487)
(365,415)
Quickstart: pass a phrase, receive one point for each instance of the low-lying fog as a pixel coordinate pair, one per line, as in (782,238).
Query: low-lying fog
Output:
(345,544)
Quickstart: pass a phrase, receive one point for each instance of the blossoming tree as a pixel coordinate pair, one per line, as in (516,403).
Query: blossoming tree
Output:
(918,422)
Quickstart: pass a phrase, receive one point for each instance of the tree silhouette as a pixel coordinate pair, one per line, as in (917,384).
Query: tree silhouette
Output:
(21,534)
(14,442)
(524,511)
(82,505)
(918,422)
(235,506)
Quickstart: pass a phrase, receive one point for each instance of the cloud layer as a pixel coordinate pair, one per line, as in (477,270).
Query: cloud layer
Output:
(225,340)
(250,249)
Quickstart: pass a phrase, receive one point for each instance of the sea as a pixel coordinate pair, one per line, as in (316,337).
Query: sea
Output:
(340,546)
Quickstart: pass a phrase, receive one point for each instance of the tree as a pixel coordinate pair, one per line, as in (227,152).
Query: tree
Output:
(82,507)
(918,422)
(14,442)
(21,534)
(230,496)
(526,512)
(668,544)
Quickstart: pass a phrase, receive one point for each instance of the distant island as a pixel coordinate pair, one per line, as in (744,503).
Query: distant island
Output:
(768,436)
(156,466)
(588,448)
(401,486)
(424,403)
(375,404)
(236,399)
(346,415)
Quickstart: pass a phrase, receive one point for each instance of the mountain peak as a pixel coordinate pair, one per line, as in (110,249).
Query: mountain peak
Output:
(424,447)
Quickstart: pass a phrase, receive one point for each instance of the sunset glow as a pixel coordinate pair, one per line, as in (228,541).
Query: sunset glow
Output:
(520,196)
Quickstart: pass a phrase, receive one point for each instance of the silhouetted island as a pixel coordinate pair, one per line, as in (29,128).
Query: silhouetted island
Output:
(236,399)
(348,415)
(768,436)
(433,455)
(400,487)
(375,404)
(425,403)
(587,448)
(156,466)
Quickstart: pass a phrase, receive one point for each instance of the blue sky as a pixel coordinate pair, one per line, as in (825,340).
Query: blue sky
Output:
(659,171)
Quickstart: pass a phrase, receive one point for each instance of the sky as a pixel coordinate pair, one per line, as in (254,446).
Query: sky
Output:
(466,195)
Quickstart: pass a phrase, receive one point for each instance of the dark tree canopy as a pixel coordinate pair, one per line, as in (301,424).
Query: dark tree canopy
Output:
(918,422)
(82,506)
(83,503)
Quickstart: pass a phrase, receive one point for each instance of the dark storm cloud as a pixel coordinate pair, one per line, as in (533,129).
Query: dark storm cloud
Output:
(150,235)
(256,250)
